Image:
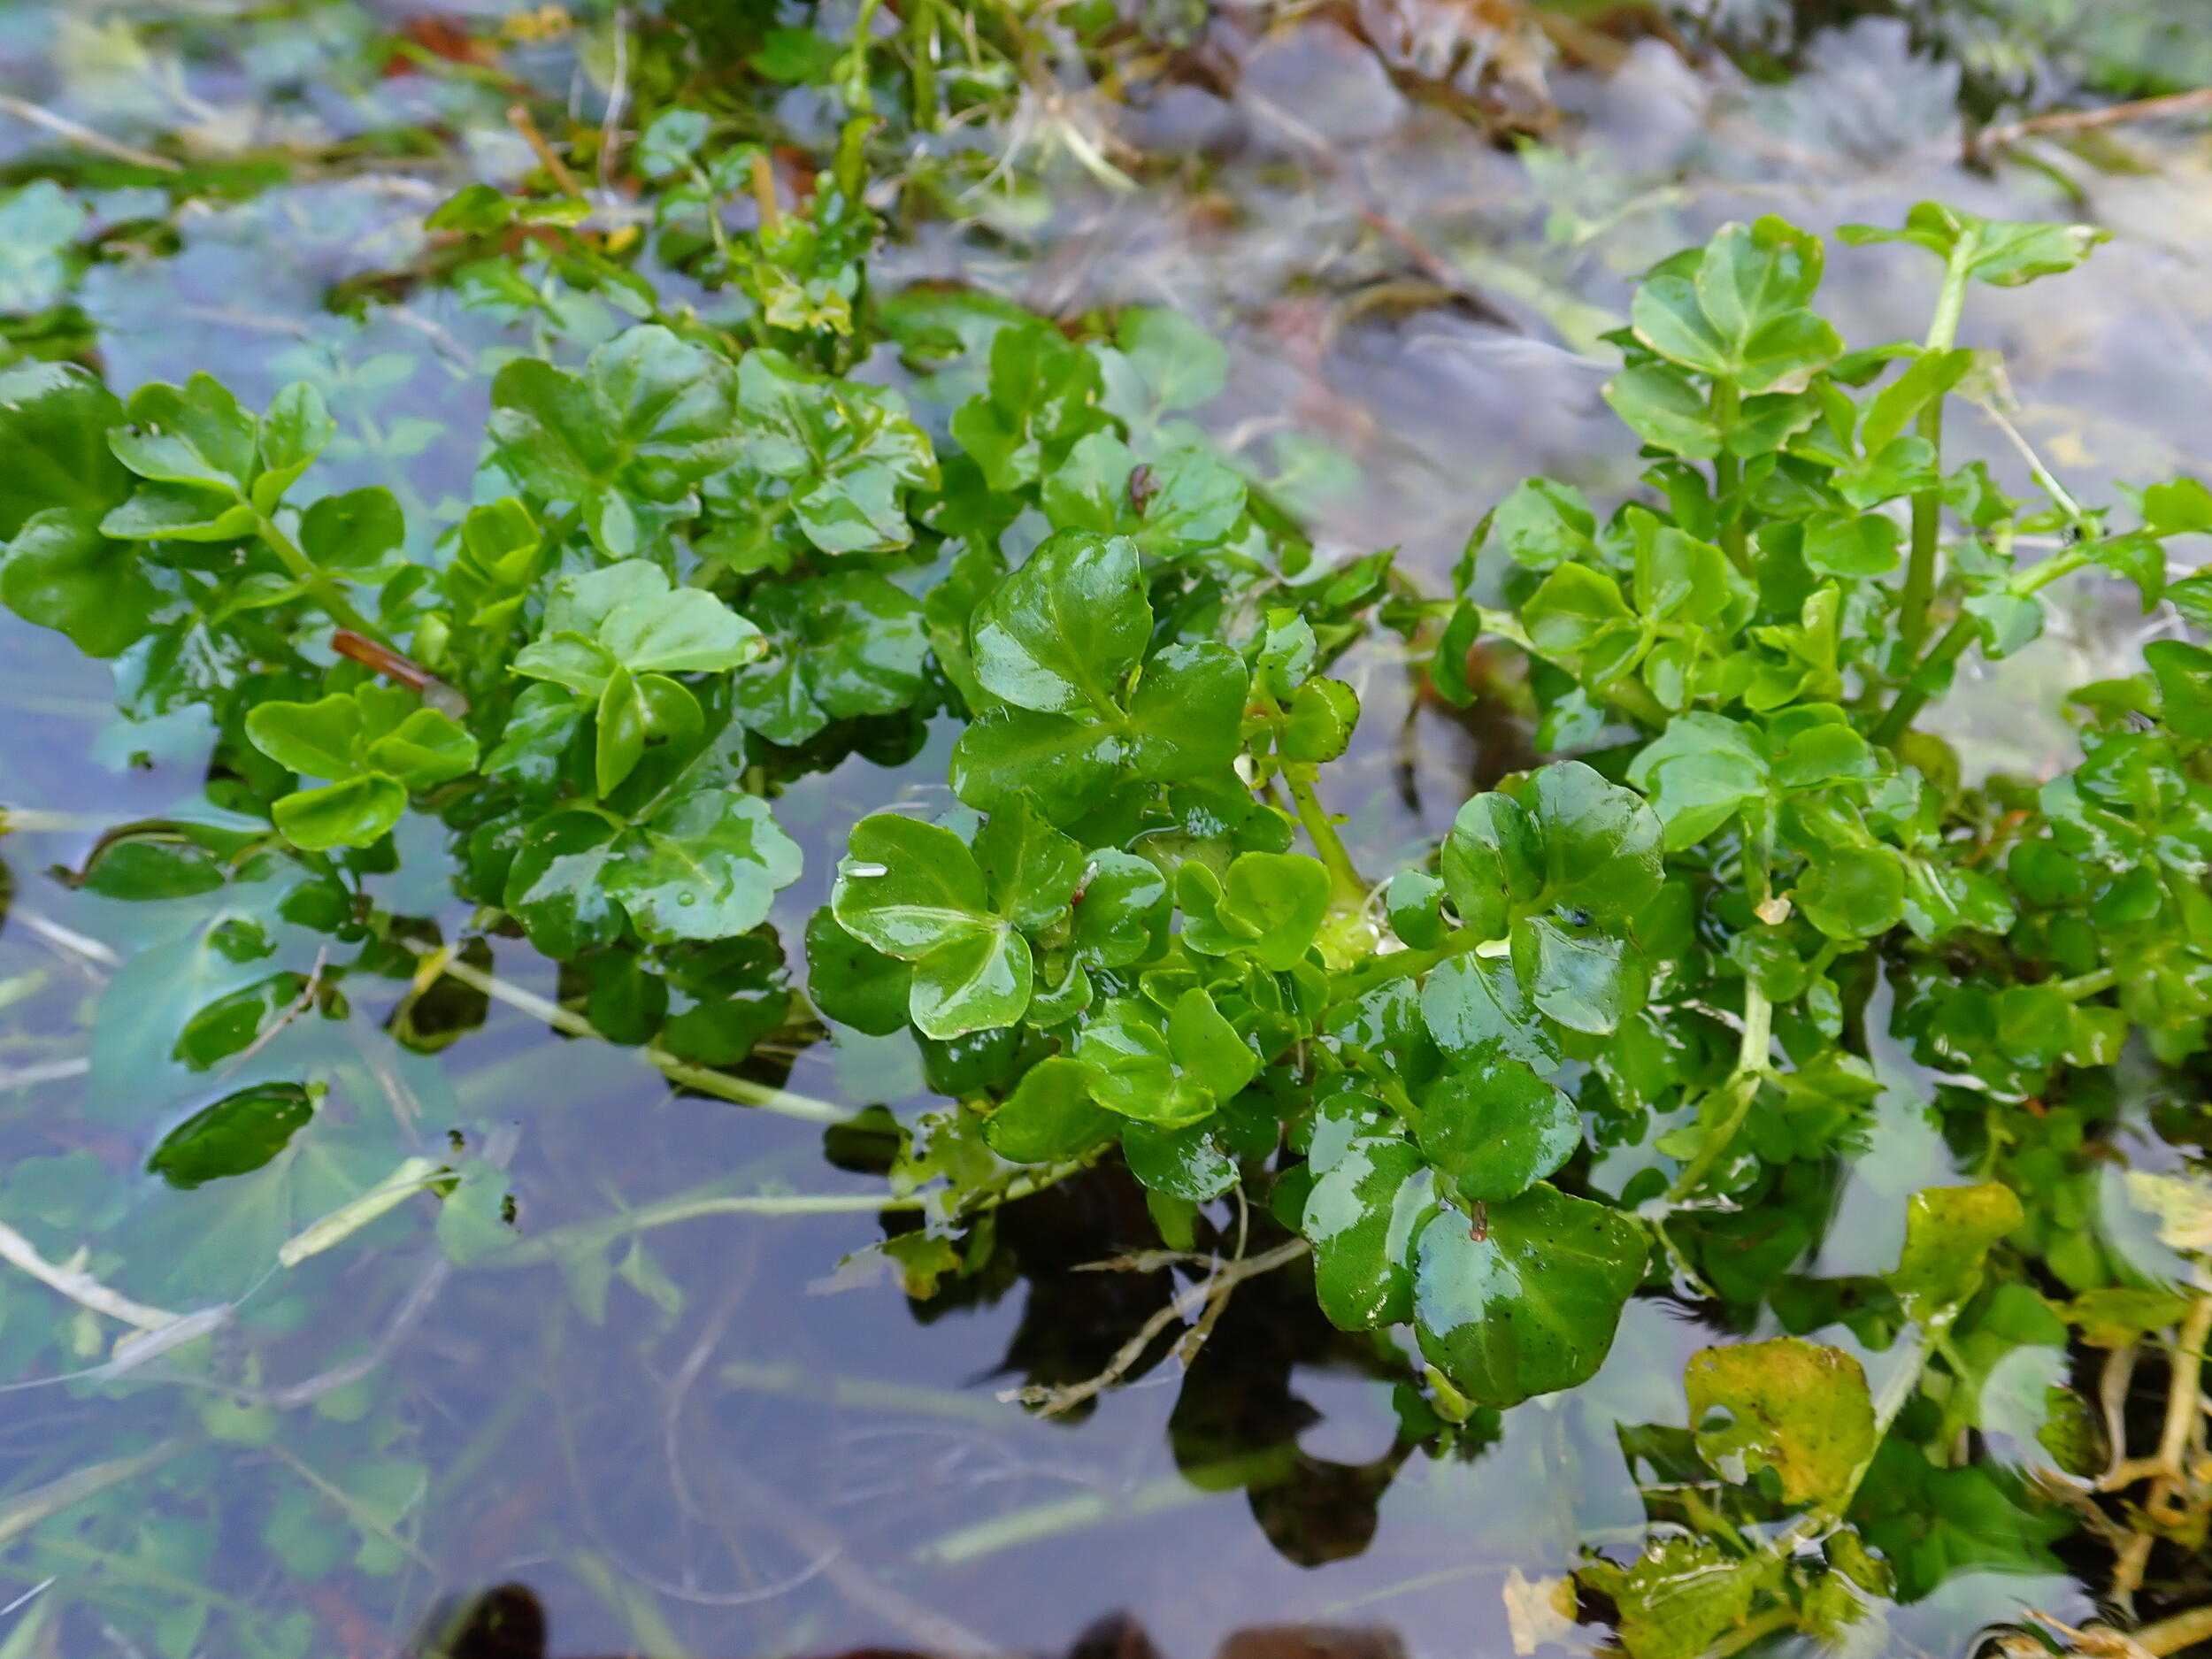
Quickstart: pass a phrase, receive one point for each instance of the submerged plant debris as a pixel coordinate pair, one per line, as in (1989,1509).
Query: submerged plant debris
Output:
(861,827)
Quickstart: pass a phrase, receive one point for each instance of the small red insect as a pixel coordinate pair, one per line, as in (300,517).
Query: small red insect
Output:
(1480,1232)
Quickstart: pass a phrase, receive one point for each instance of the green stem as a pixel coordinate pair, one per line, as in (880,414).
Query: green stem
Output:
(2088,983)
(1920,573)
(1350,892)
(1728,476)
(1742,1087)
(1917,691)
(316,582)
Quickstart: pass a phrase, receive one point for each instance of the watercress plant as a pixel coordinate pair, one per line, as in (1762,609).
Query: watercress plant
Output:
(1612,1037)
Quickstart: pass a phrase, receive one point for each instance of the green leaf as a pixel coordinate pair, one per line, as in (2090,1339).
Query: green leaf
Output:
(1319,726)
(1851,893)
(621,728)
(240,1132)
(1184,720)
(1492,863)
(1658,402)
(1124,1047)
(707,865)
(316,740)
(54,421)
(1476,1006)
(1850,545)
(1684,1596)
(352,813)
(1948,1231)
(1030,870)
(1494,1131)
(1205,1046)
(844,454)
(1531,1307)
(1601,843)
(1049,1116)
(1064,632)
(851,981)
(1370,1198)
(176,513)
(296,429)
(2004,252)
(1572,608)
(1700,773)
(2185,686)
(558,885)
(907,888)
(847,644)
(358,534)
(1186,1164)
(194,435)
(1415,905)
(1271,904)
(1800,1411)
(1066,763)
(2006,622)
(978,981)
(1542,525)
(1743,317)
(61,572)
(1121,910)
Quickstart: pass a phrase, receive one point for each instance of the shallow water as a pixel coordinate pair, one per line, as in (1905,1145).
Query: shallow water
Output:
(700,1436)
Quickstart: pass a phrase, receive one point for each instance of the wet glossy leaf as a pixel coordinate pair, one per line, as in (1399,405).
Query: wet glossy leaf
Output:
(1049,1116)
(61,572)
(238,1135)
(1530,1308)
(1799,1409)
(1948,1231)
(54,421)
(1683,1597)
(351,813)
(1475,1006)
(1495,1129)
(707,865)
(1030,870)
(1064,631)
(1370,1198)
(844,645)
(1186,1164)
(1319,725)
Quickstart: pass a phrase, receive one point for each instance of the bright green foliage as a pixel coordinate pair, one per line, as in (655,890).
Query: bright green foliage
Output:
(1615,1033)
(374,745)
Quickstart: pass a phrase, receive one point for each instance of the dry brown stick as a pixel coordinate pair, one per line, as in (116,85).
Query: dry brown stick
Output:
(2172,1635)
(1208,1294)
(76,133)
(2089,120)
(518,118)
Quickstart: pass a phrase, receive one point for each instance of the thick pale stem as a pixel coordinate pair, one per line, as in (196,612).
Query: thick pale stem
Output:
(1350,891)
(1728,475)
(1920,573)
(1740,1090)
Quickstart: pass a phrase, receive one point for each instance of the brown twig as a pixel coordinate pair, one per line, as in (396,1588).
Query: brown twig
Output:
(2089,120)
(518,118)
(1205,1298)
